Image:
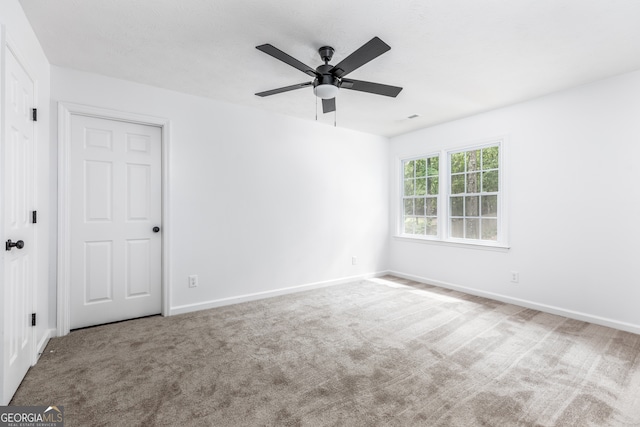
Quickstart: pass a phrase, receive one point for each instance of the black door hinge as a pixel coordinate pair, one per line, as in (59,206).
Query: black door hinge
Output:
(34,217)
(33,319)
(34,114)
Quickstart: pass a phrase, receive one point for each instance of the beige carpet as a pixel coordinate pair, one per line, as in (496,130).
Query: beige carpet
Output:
(383,352)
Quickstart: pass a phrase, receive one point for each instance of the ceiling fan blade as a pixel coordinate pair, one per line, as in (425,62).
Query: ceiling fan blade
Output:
(287,59)
(370,50)
(284,89)
(377,88)
(328,105)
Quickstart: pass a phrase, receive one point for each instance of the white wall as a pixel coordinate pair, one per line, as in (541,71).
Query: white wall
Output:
(573,203)
(258,202)
(21,39)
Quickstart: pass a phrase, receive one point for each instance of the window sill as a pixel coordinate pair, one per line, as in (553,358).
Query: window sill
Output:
(498,247)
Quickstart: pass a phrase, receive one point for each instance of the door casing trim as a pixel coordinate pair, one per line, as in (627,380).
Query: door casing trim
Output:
(65,111)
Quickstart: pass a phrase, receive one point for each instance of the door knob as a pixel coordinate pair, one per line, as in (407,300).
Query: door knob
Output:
(9,244)
(156,229)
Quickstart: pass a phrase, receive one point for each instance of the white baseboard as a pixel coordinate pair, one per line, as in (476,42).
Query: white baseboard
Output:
(603,321)
(268,294)
(48,334)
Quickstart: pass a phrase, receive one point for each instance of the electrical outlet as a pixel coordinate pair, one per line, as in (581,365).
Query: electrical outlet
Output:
(515,277)
(354,260)
(193,281)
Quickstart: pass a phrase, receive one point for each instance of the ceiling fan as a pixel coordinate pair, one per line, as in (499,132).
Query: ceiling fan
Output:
(329,79)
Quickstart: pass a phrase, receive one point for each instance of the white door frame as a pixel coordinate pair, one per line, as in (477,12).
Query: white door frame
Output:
(65,111)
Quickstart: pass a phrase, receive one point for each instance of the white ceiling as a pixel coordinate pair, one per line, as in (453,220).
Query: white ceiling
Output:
(454,58)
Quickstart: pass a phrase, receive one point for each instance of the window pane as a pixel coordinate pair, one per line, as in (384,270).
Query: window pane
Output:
(408,168)
(432,185)
(473,182)
(471,228)
(432,226)
(457,162)
(457,206)
(489,229)
(490,206)
(432,166)
(457,184)
(409,225)
(490,158)
(421,226)
(419,206)
(471,206)
(421,186)
(421,167)
(408,187)
(457,227)
(408,207)
(432,206)
(473,160)
(490,181)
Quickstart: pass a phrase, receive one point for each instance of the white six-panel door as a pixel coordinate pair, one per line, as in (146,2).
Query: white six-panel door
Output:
(115,204)
(18,171)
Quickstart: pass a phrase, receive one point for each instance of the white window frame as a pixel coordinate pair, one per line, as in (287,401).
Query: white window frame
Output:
(438,197)
(443,236)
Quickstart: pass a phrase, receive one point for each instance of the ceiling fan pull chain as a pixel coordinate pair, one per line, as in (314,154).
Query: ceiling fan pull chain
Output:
(316,108)
(335,118)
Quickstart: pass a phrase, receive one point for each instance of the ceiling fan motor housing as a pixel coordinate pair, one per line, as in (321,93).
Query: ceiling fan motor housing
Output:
(325,79)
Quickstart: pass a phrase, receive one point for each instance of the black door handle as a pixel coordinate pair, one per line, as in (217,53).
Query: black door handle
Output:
(9,244)
(156,229)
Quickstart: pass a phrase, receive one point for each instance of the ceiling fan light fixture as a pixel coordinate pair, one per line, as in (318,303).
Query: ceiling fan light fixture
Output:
(326,91)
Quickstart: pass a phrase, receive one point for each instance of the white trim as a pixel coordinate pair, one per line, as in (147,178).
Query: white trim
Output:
(577,315)
(48,334)
(454,243)
(188,308)
(65,111)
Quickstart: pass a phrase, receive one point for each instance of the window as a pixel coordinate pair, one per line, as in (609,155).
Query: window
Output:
(420,196)
(473,195)
(468,210)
